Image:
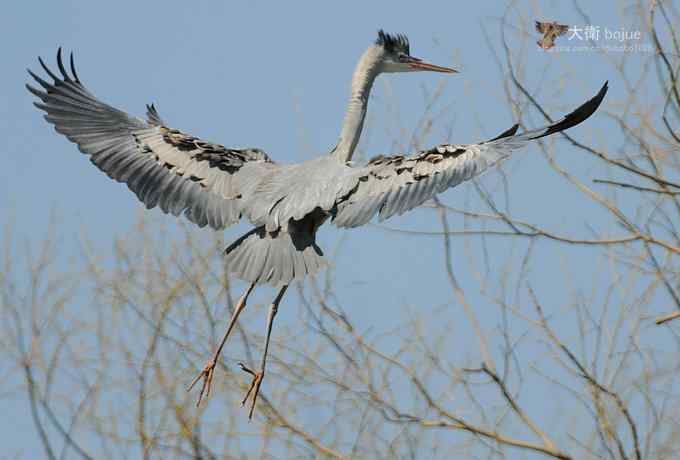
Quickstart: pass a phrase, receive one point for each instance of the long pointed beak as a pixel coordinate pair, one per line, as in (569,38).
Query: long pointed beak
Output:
(419,64)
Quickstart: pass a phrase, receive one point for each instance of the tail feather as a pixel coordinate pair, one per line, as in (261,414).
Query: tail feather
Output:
(274,258)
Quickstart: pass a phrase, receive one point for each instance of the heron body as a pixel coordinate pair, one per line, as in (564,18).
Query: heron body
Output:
(216,186)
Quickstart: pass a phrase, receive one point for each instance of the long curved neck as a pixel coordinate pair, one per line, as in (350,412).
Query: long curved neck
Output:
(362,81)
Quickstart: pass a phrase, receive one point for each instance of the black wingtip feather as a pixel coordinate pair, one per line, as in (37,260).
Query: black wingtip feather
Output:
(577,116)
(73,69)
(46,69)
(35,91)
(508,133)
(62,69)
(42,82)
(60,64)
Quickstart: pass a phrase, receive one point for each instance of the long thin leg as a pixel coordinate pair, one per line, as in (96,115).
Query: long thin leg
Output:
(258,376)
(209,369)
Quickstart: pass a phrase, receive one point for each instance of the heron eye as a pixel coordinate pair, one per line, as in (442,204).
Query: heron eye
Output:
(402,57)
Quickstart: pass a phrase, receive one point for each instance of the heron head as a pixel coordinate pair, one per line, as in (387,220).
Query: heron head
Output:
(396,56)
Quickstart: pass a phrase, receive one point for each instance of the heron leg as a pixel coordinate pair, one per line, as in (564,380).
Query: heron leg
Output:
(208,371)
(258,376)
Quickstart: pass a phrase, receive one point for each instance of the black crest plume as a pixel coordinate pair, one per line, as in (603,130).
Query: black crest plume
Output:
(393,43)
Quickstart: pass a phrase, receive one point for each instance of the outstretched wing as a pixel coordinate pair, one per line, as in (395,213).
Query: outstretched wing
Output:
(561,29)
(164,167)
(396,184)
(541,27)
(557,29)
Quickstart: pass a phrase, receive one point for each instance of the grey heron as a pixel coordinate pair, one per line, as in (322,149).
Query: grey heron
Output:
(216,186)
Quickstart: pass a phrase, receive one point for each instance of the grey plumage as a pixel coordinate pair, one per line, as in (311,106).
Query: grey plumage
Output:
(396,184)
(216,186)
(276,257)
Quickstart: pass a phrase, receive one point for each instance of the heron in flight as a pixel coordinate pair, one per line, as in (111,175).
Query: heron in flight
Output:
(217,186)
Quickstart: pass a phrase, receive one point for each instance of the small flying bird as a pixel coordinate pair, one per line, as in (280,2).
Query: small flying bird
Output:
(550,31)
(216,186)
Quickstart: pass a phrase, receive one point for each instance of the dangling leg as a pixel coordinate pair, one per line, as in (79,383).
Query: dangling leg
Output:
(258,376)
(209,369)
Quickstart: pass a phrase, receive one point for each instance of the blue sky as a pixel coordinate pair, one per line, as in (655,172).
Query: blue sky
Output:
(276,76)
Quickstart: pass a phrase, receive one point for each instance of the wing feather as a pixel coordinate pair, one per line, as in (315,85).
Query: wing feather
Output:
(394,185)
(162,166)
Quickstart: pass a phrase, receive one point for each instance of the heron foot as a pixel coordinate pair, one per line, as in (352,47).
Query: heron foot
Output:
(254,387)
(207,375)
(209,370)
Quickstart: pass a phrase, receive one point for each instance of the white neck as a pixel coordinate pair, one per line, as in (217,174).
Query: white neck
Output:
(362,81)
